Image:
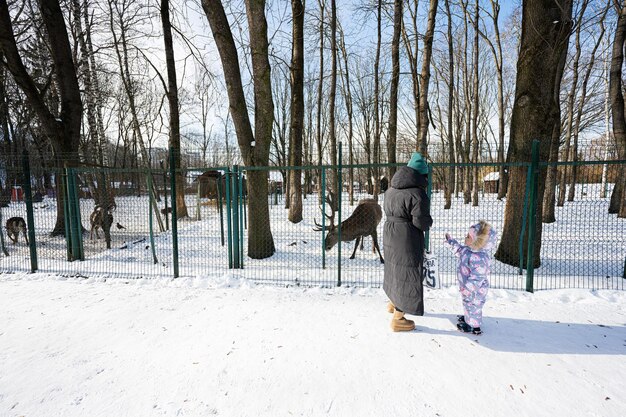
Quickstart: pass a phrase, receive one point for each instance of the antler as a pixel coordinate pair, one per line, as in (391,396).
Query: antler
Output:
(330,201)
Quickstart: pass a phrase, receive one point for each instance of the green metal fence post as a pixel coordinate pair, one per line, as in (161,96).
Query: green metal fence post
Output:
(167,216)
(220,208)
(198,202)
(30,218)
(530,268)
(77,219)
(74,216)
(2,245)
(150,206)
(339,195)
(63,197)
(241,202)
(228,218)
(429,192)
(173,152)
(323,185)
(235,217)
(520,270)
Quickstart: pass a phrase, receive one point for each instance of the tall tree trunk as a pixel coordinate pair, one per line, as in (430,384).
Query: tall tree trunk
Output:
(101,193)
(320,95)
(102,148)
(502,177)
(297,112)
(172,98)
(567,151)
(618,197)
(335,187)
(347,92)
(467,93)
(254,147)
(583,100)
(425,79)
(121,51)
(475,141)
(395,80)
(376,159)
(449,183)
(62,129)
(546,27)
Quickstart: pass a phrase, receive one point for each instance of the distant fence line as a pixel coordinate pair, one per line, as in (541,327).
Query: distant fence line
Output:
(584,248)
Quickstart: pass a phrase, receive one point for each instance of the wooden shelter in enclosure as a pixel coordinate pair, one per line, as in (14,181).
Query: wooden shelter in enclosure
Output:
(491,182)
(209,181)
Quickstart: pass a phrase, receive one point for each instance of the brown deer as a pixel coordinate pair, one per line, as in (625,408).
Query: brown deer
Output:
(14,226)
(101,218)
(362,222)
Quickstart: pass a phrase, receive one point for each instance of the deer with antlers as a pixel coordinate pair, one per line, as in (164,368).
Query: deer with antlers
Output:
(362,222)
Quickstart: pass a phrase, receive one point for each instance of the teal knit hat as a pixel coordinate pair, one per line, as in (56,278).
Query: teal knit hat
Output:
(418,163)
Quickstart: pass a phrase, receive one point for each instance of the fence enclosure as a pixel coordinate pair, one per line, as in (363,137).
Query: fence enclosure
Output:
(137,234)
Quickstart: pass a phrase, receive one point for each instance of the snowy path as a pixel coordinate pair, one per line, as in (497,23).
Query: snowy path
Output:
(194,347)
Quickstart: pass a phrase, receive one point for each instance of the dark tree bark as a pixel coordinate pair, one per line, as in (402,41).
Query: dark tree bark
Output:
(297,112)
(618,197)
(172,98)
(376,144)
(449,183)
(422,141)
(62,129)
(475,105)
(320,95)
(583,100)
(395,80)
(335,187)
(347,93)
(254,147)
(546,27)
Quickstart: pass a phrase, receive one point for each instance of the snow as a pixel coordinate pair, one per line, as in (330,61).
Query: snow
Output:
(86,339)
(224,346)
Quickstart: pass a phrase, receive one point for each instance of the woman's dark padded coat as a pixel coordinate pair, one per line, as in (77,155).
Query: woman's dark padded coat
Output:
(407,208)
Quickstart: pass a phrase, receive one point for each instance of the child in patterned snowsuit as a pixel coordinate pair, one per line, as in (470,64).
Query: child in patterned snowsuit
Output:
(472,273)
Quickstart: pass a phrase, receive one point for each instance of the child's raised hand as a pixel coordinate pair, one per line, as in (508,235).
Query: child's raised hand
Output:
(447,236)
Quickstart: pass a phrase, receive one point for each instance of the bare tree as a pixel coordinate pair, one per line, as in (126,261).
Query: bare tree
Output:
(425,78)
(377,129)
(475,105)
(335,187)
(618,197)
(347,94)
(449,183)
(546,27)
(254,146)
(62,128)
(297,112)
(172,98)
(395,80)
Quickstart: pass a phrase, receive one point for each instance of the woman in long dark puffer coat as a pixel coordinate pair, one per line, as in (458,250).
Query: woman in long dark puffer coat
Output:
(407,208)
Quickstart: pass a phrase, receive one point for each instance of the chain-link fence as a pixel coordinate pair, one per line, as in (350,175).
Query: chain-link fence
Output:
(230,210)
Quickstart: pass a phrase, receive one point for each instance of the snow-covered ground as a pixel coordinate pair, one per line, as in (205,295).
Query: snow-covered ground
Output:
(221,345)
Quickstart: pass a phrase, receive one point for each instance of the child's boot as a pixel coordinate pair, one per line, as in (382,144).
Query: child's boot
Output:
(466,328)
(390,307)
(400,324)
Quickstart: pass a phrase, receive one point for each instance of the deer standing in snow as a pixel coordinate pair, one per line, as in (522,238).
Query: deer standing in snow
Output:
(362,222)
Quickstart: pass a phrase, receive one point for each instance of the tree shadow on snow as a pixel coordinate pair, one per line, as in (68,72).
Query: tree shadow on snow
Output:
(535,336)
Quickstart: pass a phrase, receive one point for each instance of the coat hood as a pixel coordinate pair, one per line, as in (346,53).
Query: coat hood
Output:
(406,177)
(489,242)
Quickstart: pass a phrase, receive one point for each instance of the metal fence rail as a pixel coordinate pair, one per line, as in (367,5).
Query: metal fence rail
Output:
(584,248)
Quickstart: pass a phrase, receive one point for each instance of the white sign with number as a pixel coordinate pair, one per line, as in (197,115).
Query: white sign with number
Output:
(430,270)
